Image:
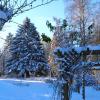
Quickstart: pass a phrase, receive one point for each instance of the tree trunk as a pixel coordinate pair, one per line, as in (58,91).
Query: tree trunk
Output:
(66,92)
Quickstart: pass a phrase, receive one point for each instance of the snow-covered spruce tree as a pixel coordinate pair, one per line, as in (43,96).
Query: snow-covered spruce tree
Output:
(5,52)
(68,62)
(27,54)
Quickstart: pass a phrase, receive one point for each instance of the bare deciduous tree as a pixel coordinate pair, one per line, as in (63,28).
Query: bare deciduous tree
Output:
(82,13)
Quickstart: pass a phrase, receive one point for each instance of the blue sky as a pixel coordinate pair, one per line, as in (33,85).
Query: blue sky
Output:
(38,16)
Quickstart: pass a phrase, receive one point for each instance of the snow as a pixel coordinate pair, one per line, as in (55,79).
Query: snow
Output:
(3,15)
(90,47)
(97,47)
(91,94)
(62,49)
(15,89)
(96,67)
(9,12)
(79,49)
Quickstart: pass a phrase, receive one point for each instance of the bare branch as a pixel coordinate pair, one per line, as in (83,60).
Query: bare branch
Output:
(18,11)
(12,8)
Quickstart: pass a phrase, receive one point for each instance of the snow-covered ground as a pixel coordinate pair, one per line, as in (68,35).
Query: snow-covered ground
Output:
(14,89)
(91,94)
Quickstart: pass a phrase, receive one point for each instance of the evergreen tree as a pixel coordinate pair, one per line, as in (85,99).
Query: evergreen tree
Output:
(60,39)
(68,62)
(5,52)
(8,39)
(45,38)
(27,54)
